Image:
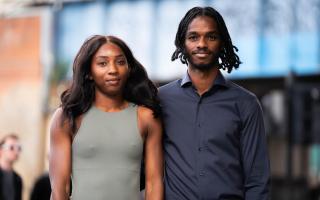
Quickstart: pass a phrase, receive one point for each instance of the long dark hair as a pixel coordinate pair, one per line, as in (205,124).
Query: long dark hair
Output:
(229,59)
(78,98)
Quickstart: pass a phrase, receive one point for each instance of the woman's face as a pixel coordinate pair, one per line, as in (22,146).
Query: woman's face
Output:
(109,70)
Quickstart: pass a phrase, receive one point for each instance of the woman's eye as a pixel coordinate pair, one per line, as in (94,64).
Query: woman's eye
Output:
(102,63)
(121,62)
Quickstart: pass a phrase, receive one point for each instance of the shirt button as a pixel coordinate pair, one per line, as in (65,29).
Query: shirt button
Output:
(201,173)
(200,148)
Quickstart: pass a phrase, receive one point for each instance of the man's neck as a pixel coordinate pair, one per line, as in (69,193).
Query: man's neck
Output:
(202,79)
(4,165)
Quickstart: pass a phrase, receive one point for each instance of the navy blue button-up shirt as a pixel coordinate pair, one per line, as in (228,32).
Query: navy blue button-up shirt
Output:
(214,144)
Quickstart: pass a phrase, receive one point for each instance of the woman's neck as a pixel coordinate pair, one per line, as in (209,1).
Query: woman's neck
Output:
(110,104)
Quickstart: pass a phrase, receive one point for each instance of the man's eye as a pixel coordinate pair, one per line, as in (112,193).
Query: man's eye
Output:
(193,38)
(213,37)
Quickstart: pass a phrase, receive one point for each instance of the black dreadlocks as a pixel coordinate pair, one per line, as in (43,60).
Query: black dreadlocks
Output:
(229,59)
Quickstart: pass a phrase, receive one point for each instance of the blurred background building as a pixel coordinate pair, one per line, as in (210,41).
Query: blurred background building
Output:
(278,41)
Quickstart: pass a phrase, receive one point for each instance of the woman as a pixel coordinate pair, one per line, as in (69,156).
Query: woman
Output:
(106,117)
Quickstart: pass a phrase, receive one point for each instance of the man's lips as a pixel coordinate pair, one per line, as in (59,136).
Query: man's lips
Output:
(201,54)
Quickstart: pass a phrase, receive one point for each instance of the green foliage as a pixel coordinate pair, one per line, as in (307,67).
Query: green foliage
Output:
(59,73)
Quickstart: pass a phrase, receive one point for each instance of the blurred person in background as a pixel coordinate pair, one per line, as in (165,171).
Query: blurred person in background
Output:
(214,138)
(41,189)
(107,116)
(10,181)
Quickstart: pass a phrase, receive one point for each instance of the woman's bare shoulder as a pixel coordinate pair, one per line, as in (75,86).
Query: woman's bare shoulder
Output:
(58,122)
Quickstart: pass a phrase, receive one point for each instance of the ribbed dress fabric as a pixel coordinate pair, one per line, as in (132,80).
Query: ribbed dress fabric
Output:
(106,156)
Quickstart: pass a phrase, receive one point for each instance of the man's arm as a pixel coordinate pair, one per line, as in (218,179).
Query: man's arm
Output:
(254,152)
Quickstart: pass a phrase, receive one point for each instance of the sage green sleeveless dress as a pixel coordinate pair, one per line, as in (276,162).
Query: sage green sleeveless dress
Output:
(106,156)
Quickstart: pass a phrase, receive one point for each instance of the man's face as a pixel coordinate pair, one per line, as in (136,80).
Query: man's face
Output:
(10,150)
(203,43)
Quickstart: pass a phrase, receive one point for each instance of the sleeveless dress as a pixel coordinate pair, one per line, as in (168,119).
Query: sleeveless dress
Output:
(106,156)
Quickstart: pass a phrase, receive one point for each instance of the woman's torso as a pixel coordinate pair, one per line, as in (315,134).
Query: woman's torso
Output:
(106,156)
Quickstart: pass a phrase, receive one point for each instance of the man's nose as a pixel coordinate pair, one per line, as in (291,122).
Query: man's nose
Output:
(202,43)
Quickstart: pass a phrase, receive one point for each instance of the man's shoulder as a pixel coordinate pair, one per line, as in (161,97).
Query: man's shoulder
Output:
(245,99)
(17,176)
(170,87)
(18,182)
(241,92)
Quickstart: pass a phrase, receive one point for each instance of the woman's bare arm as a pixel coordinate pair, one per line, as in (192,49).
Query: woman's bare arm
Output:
(152,132)
(60,157)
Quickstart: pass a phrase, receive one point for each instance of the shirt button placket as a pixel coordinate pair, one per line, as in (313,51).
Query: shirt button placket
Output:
(201,171)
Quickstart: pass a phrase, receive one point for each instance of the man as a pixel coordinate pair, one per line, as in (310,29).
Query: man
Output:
(214,141)
(10,181)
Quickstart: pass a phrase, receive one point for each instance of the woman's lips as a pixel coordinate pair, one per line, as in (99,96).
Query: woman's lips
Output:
(113,81)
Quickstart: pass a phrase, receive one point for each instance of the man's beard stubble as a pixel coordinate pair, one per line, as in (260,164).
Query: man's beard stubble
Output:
(214,62)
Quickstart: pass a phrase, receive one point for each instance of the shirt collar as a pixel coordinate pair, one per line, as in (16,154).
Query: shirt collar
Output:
(186,80)
(220,80)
